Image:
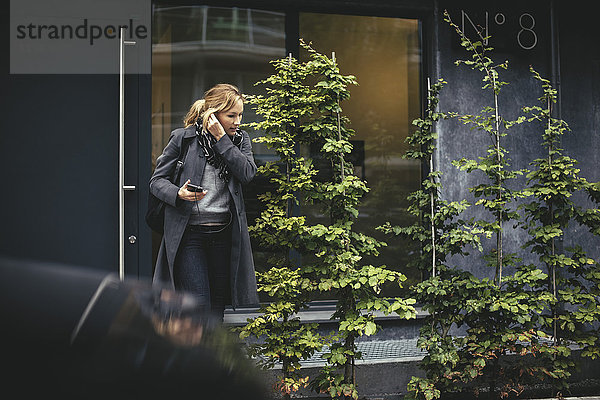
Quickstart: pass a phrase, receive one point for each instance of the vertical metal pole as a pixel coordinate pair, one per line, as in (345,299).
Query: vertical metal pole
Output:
(122,187)
(555,54)
(431,196)
(121,154)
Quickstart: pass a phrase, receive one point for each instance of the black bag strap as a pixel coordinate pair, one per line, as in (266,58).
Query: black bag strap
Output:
(185,145)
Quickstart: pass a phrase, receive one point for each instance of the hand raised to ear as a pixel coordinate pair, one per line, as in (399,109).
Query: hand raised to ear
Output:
(215,128)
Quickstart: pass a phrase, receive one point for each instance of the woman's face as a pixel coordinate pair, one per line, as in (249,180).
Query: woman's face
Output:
(232,118)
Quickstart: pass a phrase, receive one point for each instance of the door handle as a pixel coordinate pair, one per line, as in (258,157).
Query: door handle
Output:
(122,187)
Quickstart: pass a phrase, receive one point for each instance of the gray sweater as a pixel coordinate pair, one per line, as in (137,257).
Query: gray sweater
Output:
(213,208)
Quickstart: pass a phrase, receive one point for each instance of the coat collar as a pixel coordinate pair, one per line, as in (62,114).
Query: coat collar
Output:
(190,131)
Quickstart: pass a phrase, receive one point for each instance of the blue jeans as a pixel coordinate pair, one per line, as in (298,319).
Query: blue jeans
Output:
(202,266)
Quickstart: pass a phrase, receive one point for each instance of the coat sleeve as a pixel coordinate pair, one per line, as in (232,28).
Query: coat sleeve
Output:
(160,183)
(240,160)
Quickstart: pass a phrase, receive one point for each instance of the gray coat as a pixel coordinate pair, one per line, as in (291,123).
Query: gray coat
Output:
(177,211)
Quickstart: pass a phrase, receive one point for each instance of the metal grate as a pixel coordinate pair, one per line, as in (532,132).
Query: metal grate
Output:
(378,351)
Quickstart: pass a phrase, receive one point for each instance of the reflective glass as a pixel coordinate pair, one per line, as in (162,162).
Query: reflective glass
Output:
(196,47)
(385,56)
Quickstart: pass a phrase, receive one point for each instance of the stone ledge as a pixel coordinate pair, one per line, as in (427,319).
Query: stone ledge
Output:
(317,312)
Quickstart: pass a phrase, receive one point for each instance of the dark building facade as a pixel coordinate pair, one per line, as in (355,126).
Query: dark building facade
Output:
(64,184)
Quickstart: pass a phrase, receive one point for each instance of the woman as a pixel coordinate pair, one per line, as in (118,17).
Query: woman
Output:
(206,248)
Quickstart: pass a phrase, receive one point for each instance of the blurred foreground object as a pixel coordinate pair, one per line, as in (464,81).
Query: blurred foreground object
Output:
(83,334)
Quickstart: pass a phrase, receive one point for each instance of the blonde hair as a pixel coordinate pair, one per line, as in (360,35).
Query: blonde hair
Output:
(220,97)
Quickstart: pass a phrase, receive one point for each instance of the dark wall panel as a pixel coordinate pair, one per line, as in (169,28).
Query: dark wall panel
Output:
(60,145)
(508,24)
(580,100)
(60,142)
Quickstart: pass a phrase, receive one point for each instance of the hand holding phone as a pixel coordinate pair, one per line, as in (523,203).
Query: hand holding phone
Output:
(194,188)
(191,192)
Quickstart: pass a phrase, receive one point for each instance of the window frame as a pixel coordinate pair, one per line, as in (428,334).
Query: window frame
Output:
(424,12)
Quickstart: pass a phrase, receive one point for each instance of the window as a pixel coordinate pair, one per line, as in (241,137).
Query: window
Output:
(195,47)
(384,54)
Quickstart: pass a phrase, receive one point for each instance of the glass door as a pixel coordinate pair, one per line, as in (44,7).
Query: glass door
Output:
(196,47)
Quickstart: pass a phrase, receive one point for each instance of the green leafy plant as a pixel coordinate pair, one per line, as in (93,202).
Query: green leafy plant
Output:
(438,230)
(573,277)
(296,114)
(338,248)
(282,338)
(441,233)
(501,347)
(495,195)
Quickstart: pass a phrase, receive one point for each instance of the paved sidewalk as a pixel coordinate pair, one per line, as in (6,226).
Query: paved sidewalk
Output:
(570,398)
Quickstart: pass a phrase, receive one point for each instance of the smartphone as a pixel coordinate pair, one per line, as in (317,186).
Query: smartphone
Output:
(194,188)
